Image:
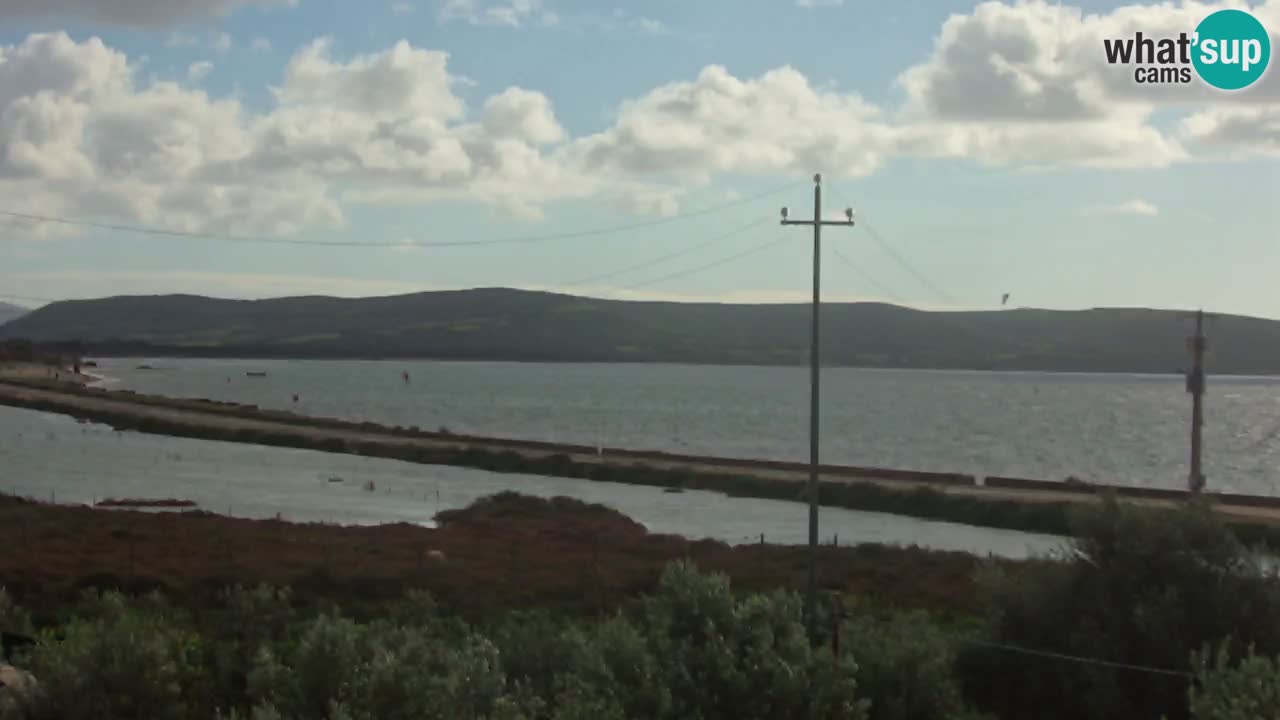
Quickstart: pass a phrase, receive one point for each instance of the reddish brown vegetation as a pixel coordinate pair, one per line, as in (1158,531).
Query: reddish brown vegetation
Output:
(515,553)
(140,503)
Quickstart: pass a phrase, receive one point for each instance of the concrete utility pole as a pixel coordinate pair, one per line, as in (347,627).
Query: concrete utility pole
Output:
(1195,386)
(811,597)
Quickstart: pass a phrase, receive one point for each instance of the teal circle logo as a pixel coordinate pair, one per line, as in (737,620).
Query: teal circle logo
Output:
(1232,49)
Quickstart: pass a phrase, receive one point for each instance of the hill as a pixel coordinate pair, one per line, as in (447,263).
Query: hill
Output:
(9,312)
(503,324)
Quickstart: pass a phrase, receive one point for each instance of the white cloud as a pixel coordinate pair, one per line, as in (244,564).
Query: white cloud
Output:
(260,44)
(1136,207)
(401,81)
(508,13)
(199,70)
(523,115)
(649,26)
(818,3)
(132,13)
(79,137)
(776,123)
(401,9)
(1247,130)
(1094,143)
(640,199)
(1029,82)
(220,41)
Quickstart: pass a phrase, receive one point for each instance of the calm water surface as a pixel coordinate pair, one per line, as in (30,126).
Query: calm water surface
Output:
(1127,429)
(53,457)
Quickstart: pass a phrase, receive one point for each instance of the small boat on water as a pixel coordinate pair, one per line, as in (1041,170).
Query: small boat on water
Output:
(673,490)
(255,374)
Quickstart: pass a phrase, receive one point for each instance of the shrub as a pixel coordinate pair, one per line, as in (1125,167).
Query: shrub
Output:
(1248,690)
(125,662)
(906,667)
(1137,587)
(378,671)
(728,658)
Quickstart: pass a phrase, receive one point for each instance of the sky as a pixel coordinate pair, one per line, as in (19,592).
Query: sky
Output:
(631,150)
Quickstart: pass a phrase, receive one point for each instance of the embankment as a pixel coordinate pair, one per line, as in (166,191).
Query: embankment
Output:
(1006,503)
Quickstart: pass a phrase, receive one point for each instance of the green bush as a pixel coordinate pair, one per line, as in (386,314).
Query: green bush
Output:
(906,667)
(339,668)
(691,650)
(122,663)
(723,657)
(1137,587)
(1248,690)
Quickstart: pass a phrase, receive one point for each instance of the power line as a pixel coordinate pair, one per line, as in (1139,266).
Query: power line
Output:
(513,240)
(905,264)
(867,278)
(925,281)
(681,253)
(709,266)
(1078,658)
(669,256)
(1051,655)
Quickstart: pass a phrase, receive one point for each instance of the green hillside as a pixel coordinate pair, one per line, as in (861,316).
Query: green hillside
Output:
(503,324)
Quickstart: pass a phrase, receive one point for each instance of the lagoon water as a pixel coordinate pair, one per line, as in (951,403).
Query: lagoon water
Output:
(53,457)
(1124,429)
(1108,428)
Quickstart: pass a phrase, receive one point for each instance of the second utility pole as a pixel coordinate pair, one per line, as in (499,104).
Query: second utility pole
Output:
(811,596)
(1195,386)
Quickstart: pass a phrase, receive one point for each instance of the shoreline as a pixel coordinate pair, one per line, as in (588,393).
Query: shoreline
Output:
(1230,376)
(1005,503)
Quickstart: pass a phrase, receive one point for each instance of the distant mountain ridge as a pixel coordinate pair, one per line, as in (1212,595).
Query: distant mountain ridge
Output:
(10,312)
(505,324)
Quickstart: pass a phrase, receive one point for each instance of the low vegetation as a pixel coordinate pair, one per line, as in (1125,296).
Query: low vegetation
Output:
(1145,616)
